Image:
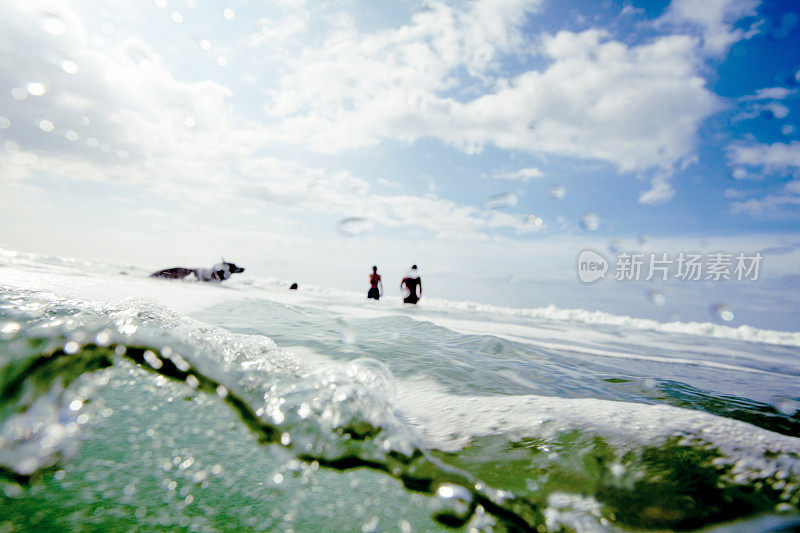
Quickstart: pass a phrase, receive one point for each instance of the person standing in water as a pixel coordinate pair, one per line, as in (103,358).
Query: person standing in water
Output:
(411,282)
(375,285)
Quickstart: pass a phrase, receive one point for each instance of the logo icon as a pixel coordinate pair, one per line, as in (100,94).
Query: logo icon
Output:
(591,266)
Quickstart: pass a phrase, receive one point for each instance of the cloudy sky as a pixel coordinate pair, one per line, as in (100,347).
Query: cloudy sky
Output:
(489,141)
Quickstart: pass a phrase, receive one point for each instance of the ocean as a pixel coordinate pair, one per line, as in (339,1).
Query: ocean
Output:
(136,403)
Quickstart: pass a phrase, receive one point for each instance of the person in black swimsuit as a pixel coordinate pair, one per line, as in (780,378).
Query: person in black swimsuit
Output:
(411,282)
(375,285)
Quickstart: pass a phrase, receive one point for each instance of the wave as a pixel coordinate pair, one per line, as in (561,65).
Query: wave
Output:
(556,314)
(519,459)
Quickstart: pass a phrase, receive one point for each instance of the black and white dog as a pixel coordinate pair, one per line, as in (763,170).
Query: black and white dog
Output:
(217,273)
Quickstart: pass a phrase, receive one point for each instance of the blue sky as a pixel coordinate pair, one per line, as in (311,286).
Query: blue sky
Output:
(468,137)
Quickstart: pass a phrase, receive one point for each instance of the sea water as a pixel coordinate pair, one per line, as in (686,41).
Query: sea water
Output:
(135,403)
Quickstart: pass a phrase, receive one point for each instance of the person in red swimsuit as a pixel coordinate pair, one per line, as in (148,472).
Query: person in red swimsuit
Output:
(375,285)
(411,282)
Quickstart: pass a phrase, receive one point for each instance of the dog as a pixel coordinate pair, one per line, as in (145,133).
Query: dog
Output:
(217,273)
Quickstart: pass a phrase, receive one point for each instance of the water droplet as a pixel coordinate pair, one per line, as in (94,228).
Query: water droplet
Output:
(371,526)
(787,406)
(375,376)
(161,3)
(557,191)
(9,328)
(589,222)
(354,226)
(153,360)
(497,201)
(189,122)
(721,311)
(533,220)
(75,405)
(222,61)
(124,155)
(4,123)
(453,504)
(53,24)
(205,44)
(176,17)
(739,174)
(656,297)
(72,135)
(70,67)
(71,347)
(91,142)
(616,245)
(103,338)
(35,88)
(46,125)
(229,14)
(19,93)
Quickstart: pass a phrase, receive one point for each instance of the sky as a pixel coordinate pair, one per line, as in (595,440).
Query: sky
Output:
(488,141)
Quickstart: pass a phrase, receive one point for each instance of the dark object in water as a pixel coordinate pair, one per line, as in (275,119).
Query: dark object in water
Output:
(375,285)
(293,287)
(217,273)
(409,284)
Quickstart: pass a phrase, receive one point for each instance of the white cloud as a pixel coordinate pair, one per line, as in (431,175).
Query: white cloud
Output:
(660,192)
(183,141)
(523,174)
(776,206)
(771,93)
(715,19)
(776,157)
(636,107)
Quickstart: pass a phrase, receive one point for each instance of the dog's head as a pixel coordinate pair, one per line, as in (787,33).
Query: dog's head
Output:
(233,268)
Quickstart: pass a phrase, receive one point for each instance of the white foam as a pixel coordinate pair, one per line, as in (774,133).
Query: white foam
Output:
(552,314)
(448,422)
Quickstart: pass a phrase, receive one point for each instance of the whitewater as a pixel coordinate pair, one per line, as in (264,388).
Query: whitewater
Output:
(135,403)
